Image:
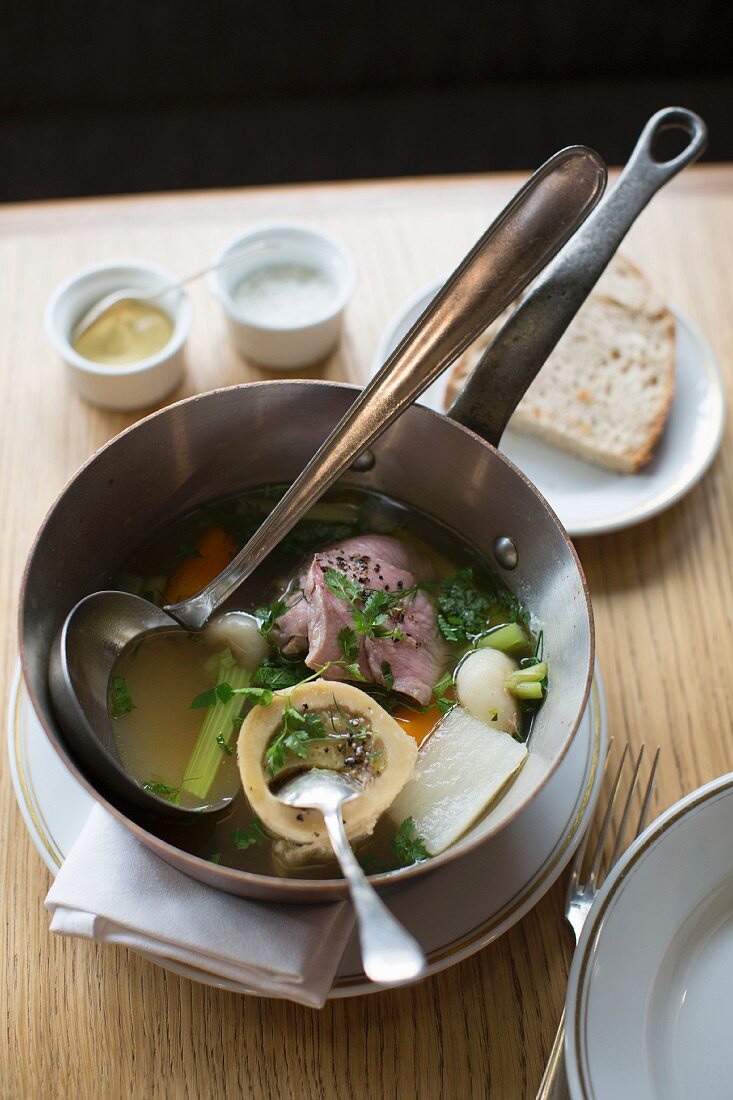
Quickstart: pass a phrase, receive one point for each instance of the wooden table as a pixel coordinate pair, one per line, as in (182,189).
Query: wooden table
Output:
(88,1021)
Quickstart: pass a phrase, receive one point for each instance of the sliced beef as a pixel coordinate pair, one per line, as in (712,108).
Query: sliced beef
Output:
(290,631)
(315,616)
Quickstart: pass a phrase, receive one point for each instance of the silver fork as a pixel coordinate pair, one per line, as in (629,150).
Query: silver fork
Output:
(582,893)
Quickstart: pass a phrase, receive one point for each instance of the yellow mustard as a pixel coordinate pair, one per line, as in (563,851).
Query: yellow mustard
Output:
(127,332)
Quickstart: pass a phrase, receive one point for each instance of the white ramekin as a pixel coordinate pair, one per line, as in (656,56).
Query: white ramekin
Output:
(132,385)
(284,346)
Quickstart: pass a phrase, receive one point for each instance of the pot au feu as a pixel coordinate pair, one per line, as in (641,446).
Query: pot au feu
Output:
(374,642)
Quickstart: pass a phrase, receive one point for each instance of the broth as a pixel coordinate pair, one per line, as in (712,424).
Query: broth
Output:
(156,728)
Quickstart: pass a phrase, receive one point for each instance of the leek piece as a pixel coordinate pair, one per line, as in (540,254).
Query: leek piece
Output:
(509,638)
(219,721)
(528,691)
(530,675)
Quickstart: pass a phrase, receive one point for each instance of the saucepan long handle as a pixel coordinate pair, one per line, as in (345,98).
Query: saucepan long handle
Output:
(538,221)
(501,377)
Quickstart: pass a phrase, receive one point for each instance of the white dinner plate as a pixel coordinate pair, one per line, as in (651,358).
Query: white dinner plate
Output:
(650,997)
(589,500)
(453,913)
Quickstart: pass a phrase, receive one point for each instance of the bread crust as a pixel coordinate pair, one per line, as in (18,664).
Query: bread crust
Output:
(623,287)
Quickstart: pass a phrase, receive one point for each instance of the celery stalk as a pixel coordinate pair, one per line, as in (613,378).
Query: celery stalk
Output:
(207,754)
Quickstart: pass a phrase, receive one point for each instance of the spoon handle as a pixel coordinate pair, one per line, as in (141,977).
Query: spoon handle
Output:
(247,250)
(388,952)
(532,229)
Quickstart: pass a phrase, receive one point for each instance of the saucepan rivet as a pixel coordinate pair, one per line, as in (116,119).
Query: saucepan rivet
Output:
(364,462)
(505,552)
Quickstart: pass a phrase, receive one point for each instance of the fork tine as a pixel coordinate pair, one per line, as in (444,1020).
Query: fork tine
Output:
(598,854)
(627,809)
(582,847)
(648,795)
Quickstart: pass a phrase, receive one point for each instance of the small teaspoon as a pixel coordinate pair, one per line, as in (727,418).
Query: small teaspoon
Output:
(389,953)
(133,294)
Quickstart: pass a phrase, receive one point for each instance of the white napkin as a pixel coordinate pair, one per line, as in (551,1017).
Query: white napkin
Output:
(114,890)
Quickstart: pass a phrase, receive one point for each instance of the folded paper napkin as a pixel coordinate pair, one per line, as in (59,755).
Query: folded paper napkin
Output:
(114,890)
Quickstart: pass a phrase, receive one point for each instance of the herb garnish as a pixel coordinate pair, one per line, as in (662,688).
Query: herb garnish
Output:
(223,692)
(466,604)
(215,857)
(277,672)
(163,790)
(120,701)
(267,617)
(249,835)
(440,690)
(224,745)
(373,609)
(370,864)
(350,649)
(298,728)
(386,669)
(342,586)
(406,846)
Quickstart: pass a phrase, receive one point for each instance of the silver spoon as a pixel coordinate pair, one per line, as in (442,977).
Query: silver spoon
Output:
(137,294)
(535,225)
(389,953)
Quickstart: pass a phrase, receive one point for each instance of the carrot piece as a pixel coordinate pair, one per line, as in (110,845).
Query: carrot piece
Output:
(216,549)
(417,723)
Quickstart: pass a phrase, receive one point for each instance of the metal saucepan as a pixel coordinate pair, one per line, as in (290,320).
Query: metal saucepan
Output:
(230,440)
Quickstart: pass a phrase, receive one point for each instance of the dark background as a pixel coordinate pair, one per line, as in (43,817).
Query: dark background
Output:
(145,95)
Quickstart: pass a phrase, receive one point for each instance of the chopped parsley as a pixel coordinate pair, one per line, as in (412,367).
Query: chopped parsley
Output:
(441,690)
(406,846)
(251,834)
(276,673)
(163,790)
(223,692)
(342,586)
(386,669)
(374,610)
(215,857)
(297,729)
(120,701)
(350,649)
(224,745)
(465,605)
(370,864)
(267,617)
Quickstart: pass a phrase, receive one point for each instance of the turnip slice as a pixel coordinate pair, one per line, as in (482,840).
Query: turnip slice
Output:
(460,771)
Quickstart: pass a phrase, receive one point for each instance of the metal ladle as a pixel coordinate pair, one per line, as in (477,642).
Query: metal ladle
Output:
(528,233)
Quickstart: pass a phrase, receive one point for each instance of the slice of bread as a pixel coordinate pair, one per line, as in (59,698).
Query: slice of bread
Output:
(606,390)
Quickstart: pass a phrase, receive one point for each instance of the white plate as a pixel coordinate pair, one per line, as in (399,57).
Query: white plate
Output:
(453,912)
(587,499)
(650,997)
